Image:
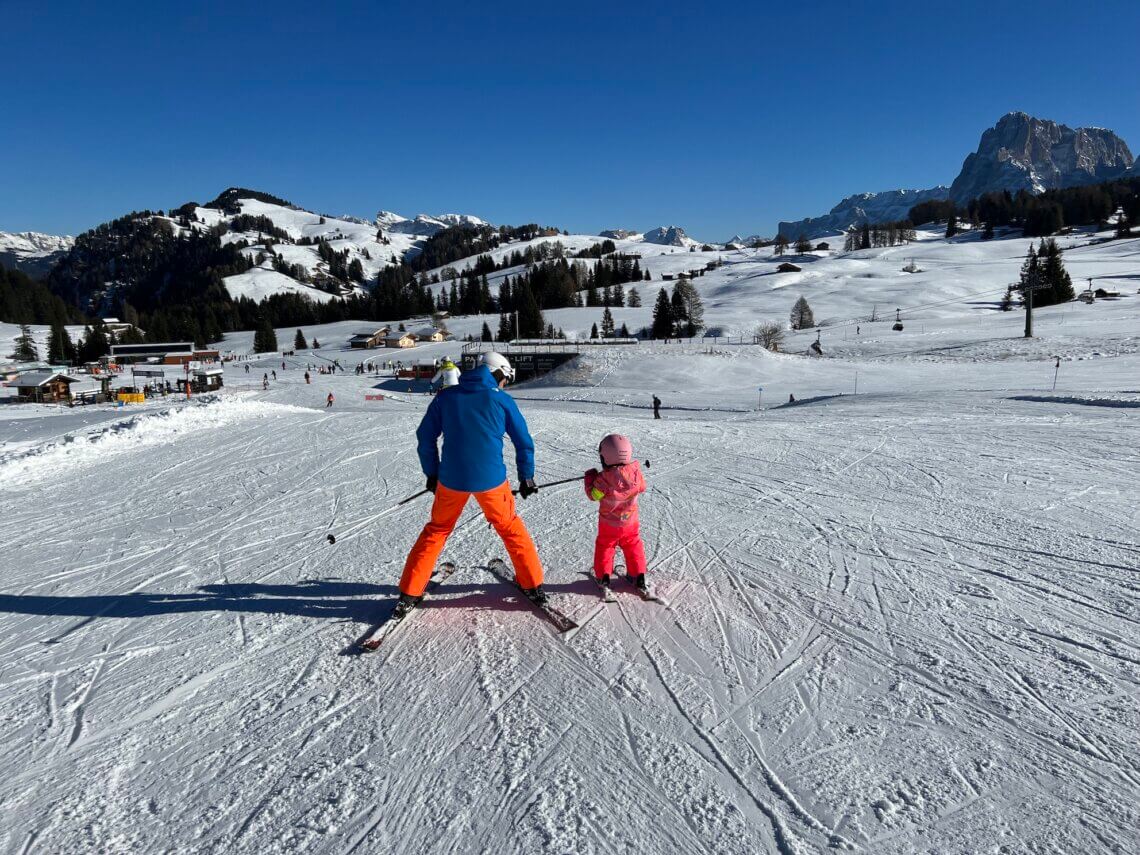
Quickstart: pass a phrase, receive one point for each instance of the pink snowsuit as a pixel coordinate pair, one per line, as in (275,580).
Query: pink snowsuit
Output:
(618,524)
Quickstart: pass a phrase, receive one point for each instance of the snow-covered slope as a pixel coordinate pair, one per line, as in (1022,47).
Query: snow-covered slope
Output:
(375,245)
(899,621)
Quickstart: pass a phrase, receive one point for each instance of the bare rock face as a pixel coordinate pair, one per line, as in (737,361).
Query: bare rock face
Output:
(1021,152)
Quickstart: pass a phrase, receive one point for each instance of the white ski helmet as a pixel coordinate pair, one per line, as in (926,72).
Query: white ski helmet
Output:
(498,362)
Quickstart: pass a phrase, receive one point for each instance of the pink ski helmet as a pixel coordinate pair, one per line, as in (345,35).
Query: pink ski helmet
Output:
(616,450)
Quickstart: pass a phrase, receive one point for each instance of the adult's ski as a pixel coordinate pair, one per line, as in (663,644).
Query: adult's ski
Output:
(561,621)
(396,619)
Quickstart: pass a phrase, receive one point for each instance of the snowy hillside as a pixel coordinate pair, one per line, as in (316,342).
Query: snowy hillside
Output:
(900,621)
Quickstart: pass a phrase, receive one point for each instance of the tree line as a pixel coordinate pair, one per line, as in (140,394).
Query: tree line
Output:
(1040,215)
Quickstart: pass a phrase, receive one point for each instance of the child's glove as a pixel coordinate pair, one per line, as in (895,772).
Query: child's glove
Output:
(596,494)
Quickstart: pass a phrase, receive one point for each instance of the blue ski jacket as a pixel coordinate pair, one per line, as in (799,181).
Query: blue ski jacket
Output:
(473,416)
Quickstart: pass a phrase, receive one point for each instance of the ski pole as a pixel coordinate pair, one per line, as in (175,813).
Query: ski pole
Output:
(416,496)
(563,481)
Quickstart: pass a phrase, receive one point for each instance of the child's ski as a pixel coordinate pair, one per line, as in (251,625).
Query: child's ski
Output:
(562,621)
(608,596)
(647,593)
(395,620)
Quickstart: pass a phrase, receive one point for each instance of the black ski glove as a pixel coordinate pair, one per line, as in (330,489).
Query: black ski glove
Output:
(528,488)
(432,481)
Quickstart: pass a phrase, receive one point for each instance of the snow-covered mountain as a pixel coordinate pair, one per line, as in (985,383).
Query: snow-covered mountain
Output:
(32,252)
(862,208)
(425,225)
(746,240)
(669,236)
(1021,152)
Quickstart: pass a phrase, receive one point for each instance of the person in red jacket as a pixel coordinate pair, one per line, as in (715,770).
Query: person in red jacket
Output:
(616,488)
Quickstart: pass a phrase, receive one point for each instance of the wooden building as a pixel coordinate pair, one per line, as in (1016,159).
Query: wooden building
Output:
(400,339)
(43,387)
(368,340)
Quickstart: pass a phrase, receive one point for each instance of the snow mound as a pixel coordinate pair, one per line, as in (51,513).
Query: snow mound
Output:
(30,466)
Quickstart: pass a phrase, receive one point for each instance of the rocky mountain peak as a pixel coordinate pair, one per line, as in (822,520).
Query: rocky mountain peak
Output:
(1022,152)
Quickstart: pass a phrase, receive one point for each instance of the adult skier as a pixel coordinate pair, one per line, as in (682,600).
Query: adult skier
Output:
(447,375)
(472,417)
(656,407)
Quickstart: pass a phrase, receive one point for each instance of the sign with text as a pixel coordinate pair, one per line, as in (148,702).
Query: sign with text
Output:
(373,396)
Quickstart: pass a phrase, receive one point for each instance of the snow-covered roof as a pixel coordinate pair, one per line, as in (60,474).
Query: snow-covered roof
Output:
(41,378)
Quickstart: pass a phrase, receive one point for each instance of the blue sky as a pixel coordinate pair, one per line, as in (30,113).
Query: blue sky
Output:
(585,116)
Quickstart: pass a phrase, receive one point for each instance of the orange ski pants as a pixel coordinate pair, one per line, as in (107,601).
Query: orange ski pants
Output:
(498,507)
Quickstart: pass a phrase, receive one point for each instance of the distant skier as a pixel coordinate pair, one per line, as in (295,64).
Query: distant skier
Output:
(656,407)
(264,383)
(275,374)
(329,400)
(282,364)
(616,488)
(307,378)
(473,419)
(247,368)
(447,375)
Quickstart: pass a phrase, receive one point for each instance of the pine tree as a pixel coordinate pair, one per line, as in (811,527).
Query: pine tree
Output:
(803,246)
(94,344)
(1054,275)
(802,317)
(952,226)
(60,349)
(634,299)
(26,350)
(691,306)
(486,334)
(505,331)
(264,338)
(1030,272)
(988,232)
(594,331)
(865,236)
(530,321)
(662,317)
(624,331)
(299,342)
(677,308)
(607,323)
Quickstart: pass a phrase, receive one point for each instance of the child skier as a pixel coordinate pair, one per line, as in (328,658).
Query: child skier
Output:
(616,488)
